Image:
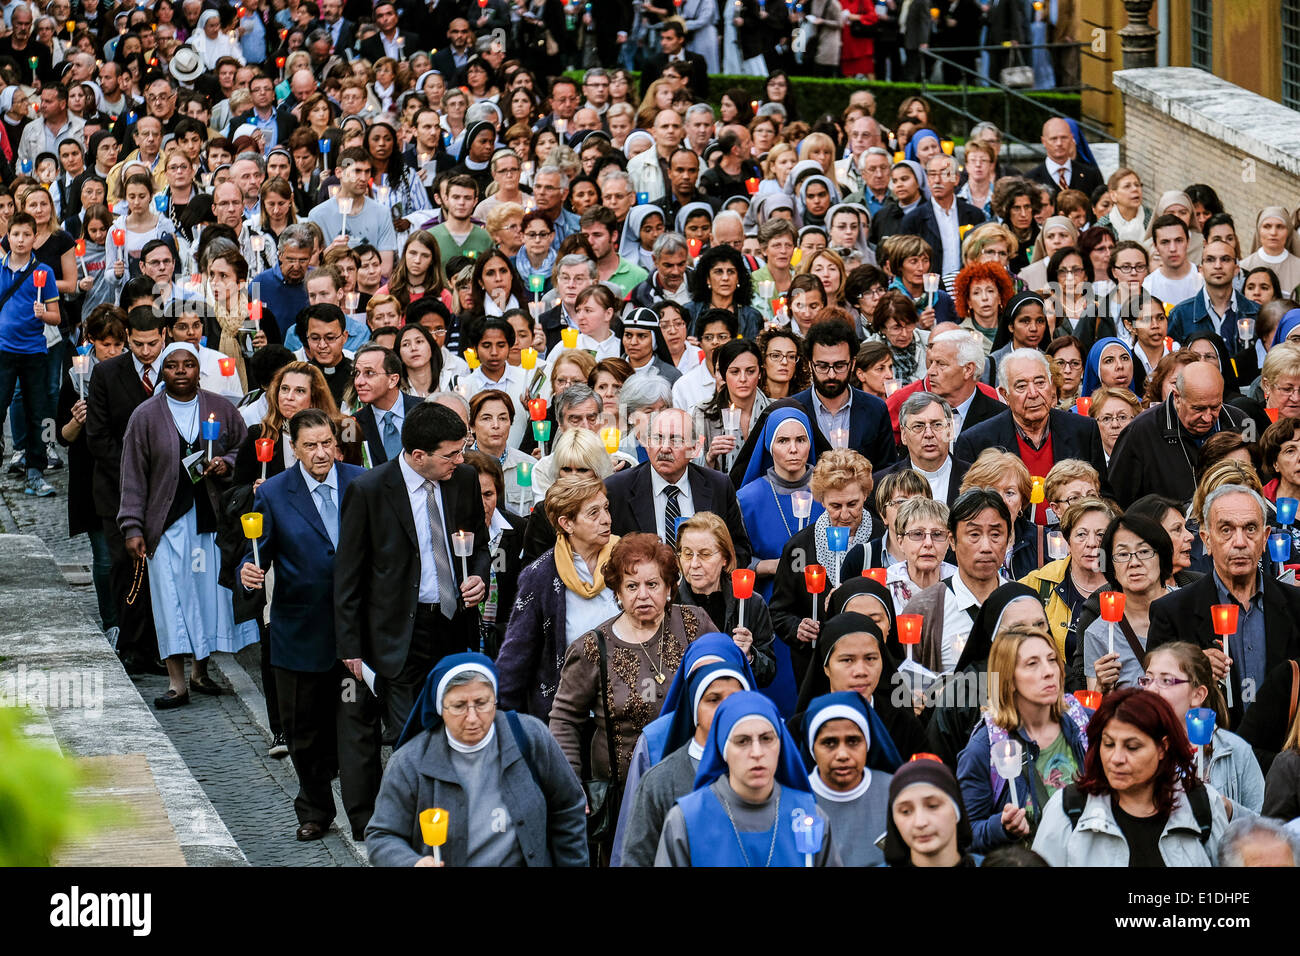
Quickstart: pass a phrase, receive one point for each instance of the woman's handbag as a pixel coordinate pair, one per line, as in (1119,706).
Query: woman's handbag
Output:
(602,795)
(1016,75)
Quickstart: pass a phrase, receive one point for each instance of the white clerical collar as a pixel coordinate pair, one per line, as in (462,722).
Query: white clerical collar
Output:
(820,789)
(459,747)
(695,750)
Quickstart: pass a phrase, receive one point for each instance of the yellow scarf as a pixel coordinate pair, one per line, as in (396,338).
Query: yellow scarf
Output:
(569,574)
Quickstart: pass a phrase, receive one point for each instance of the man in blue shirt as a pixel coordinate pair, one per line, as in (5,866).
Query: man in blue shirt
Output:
(30,302)
(281,288)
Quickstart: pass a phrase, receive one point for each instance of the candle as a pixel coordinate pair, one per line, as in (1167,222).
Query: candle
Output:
(471,359)
(211,431)
(1200,730)
(537,410)
(752,184)
(1245,331)
(742,586)
(814,577)
(433,828)
(1224,617)
(801,505)
(1112,612)
(1007,756)
(560,126)
(160,202)
(542,432)
(766,289)
(463,544)
(255,310)
(536,283)
(611,436)
(839,437)
(1088,698)
(947,146)
(265,448)
(1272,413)
(931,282)
(642,198)
(81,365)
(1279,547)
(879,575)
(528,359)
(694,246)
(279,63)
(909,631)
(1036,490)
(38,280)
(891,387)
(381,194)
(257,242)
(345,207)
(899,156)
(227,365)
(1083,405)
(252,523)
(1169,342)
(119,237)
(351,301)
(1056,546)
(569,337)
(1286,509)
(524,474)
(797,257)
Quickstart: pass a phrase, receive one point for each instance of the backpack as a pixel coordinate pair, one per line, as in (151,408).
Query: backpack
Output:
(1073,800)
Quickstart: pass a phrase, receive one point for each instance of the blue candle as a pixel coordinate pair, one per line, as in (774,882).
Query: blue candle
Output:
(160,202)
(211,431)
(1279,546)
(642,198)
(1286,508)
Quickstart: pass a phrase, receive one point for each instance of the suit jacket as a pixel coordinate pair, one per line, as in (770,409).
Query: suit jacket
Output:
(1006,21)
(959,468)
(295,542)
(372,47)
(370,428)
(921,222)
(444,61)
(697,73)
(285,124)
(1083,176)
(1184,615)
(377,573)
(870,431)
(115,392)
(981,409)
(632,503)
(347,34)
(1073,436)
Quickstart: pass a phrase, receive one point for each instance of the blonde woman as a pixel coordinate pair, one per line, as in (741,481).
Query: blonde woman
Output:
(829,268)
(776,167)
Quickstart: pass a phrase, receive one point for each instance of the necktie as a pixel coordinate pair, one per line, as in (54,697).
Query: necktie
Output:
(447,599)
(1060,178)
(144,380)
(671,513)
(392,439)
(329,514)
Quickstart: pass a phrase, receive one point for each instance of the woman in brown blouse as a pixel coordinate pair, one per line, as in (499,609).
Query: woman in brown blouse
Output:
(643,648)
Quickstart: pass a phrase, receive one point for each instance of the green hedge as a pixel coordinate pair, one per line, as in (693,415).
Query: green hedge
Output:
(818,95)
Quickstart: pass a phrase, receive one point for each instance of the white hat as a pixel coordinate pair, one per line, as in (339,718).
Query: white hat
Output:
(186,65)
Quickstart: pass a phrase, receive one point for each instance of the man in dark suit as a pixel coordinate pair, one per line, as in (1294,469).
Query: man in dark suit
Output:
(342,31)
(672,41)
(117,388)
(652,496)
(262,90)
(926,421)
(453,47)
(1007,24)
(944,239)
(954,362)
(1060,170)
(832,405)
(300,530)
(1235,533)
(377,377)
(402,601)
(1032,427)
(389,41)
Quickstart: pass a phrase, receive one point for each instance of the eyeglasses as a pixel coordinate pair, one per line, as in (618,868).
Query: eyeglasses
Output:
(782,358)
(1118,418)
(1126,557)
(536,234)
(919,536)
(920,428)
(706,555)
(668,441)
(1129,270)
(1070,270)
(324,339)
(1285,390)
(1164,680)
(457,455)
(1072,365)
(671,325)
(824,368)
(462,707)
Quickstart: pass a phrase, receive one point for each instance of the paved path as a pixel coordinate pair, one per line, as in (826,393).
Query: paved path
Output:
(223,740)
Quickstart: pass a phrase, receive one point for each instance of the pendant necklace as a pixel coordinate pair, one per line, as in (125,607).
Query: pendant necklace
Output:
(777,499)
(726,805)
(658,672)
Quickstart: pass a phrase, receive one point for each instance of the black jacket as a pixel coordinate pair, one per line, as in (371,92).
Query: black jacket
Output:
(1184,615)
(115,392)
(377,568)
(981,409)
(921,222)
(632,503)
(1155,454)
(1073,436)
(888,221)
(791,602)
(1083,176)
(370,428)
(285,124)
(507,559)
(697,73)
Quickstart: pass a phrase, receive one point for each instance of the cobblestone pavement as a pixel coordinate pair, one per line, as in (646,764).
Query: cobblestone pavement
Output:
(224,747)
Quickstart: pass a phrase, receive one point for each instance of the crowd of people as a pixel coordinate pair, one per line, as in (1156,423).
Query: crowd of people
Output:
(642,473)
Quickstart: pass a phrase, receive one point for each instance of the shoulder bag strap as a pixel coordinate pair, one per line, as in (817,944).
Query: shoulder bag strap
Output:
(524,745)
(608,704)
(1131,636)
(19,279)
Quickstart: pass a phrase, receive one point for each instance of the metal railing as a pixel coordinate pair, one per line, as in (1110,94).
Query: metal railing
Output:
(973,82)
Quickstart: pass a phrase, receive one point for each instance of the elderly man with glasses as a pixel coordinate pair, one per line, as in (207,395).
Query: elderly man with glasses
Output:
(925,422)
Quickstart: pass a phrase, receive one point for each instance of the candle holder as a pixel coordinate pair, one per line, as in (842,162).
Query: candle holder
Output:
(536,283)
(837,539)
(891,387)
(433,828)
(524,479)
(801,504)
(211,431)
(542,433)
(252,524)
(814,578)
(809,832)
(1112,612)
(265,448)
(930,282)
(227,366)
(1007,757)
(119,237)
(879,575)
(1083,405)
(742,586)
(1088,698)
(766,289)
(38,280)
(612,437)
(537,410)
(1200,731)
(1056,546)
(569,337)
(1286,508)
(642,199)
(528,359)
(81,369)
(462,543)
(752,184)
(160,202)
(909,631)
(1279,547)
(1224,618)
(839,437)
(1036,490)
(471,359)
(1245,331)
(351,302)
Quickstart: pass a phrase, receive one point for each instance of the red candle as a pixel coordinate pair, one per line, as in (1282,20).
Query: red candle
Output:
(876,574)
(1088,698)
(693,246)
(119,237)
(255,310)
(279,62)
(227,366)
(38,278)
(924,756)
(1225,619)
(1272,414)
(537,410)
(814,577)
(1083,405)
(742,583)
(1169,343)
(80,246)
(752,184)
(1112,606)
(265,448)
(909,628)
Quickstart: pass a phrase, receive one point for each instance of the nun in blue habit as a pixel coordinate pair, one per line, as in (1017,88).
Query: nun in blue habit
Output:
(750,791)
(1112,349)
(839,731)
(171,488)
(641,820)
(669,732)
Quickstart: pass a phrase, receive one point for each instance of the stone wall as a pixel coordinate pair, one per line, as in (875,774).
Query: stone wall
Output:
(1184,126)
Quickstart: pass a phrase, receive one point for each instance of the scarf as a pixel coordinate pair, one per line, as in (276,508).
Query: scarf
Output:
(904,361)
(230,322)
(862,537)
(569,574)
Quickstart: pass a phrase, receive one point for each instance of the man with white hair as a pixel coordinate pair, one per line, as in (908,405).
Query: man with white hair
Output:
(729,230)
(954,363)
(926,421)
(1258,841)
(940,221)
(1234,529)
(864,134)
(671,257)
(1032,427)
(699,127)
